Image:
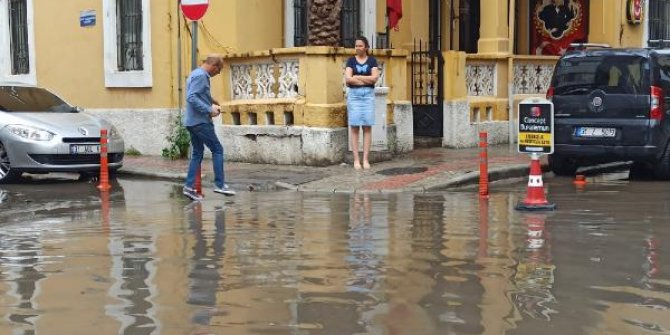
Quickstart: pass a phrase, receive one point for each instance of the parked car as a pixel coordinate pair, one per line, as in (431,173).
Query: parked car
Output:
(611,105)
(40,133)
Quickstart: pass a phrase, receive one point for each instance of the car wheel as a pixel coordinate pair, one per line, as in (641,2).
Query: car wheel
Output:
(662,169)
(7,174)
(640,170)
(562,166)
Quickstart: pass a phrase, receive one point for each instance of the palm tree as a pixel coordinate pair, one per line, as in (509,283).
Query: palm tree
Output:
(324,22)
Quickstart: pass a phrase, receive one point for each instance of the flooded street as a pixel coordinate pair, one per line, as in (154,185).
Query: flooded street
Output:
(146,260)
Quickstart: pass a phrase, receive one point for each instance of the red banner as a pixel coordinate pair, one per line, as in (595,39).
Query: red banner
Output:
(557,23)
(394,9)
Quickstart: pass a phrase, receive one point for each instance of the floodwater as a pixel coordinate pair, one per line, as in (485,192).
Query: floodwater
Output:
(144,260)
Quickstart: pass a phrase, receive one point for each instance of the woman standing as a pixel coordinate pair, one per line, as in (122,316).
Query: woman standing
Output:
(361,74)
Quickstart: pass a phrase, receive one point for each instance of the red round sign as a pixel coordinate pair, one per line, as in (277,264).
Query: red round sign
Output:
(194,9)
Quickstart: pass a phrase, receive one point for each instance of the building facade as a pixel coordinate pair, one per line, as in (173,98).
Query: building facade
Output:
(451,69)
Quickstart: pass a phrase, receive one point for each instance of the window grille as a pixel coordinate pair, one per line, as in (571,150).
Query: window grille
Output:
(18,44)
(659,26)
(129,35)
(351,22)
(300,23)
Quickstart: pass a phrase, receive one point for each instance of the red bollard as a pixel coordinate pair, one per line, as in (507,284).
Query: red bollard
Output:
(535,199)
(104,169)
(483,165)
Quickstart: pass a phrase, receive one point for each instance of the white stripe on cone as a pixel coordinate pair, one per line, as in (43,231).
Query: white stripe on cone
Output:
(535,181)
(194,2)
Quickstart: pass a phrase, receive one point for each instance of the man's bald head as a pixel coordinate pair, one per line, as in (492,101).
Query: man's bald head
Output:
(213,64)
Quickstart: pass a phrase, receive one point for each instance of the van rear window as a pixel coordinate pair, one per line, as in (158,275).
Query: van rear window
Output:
(612,74)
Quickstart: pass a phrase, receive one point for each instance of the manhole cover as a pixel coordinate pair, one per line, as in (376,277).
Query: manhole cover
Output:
(403,170)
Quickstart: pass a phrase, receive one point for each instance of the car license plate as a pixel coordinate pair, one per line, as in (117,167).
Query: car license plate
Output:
(595,132)
(82,149)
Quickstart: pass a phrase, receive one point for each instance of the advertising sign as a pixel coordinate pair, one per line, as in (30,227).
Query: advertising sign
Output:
(536,126)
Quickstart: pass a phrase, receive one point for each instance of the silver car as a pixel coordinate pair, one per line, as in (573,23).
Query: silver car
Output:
(41,133)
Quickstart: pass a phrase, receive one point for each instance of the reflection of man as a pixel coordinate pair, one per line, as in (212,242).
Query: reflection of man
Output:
(556,17)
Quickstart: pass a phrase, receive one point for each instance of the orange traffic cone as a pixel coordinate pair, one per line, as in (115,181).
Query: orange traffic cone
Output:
(535,199)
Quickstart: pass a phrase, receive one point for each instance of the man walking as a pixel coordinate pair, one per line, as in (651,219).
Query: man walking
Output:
(200,109)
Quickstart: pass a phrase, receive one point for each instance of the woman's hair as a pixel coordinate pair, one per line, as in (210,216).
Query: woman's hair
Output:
(365,42)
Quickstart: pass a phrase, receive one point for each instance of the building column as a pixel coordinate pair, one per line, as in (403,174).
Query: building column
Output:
(493,29)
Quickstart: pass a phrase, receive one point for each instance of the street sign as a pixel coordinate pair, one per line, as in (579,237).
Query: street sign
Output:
(194,9)
(536,126)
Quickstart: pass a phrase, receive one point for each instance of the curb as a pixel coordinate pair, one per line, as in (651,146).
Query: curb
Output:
(161,175)
(495,174)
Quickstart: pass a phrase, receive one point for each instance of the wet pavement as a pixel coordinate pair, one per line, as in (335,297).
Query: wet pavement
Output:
(144,260)
(422,170)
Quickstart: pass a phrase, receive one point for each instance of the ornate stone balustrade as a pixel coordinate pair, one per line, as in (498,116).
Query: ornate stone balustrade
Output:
(480,77)
(297,86)
(532,74)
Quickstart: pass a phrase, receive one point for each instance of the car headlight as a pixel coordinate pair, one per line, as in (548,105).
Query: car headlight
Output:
(30,133)
(113,132)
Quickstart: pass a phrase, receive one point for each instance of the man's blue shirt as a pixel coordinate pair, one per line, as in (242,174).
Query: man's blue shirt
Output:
(198,98)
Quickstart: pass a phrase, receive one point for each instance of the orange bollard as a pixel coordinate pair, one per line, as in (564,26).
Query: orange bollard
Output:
(535,199)
(104,168)
(580,180)
(483,165)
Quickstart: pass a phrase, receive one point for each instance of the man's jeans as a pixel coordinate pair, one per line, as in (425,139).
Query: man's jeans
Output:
(201,135)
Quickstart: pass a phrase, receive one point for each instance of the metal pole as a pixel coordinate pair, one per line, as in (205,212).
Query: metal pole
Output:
(194,45)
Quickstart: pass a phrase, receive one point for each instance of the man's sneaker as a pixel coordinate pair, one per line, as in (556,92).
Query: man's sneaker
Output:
(191,194)
(225,190)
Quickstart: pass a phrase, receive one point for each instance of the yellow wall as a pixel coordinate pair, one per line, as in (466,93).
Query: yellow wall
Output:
(69,58)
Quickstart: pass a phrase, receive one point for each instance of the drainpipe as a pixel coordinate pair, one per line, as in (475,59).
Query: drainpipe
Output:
(510,70)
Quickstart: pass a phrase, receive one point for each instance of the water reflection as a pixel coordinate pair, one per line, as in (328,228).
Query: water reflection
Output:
(534,275)
(293,263)
(22,273)
(208,251)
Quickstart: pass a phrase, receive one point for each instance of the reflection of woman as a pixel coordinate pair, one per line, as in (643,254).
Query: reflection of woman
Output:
(361,75)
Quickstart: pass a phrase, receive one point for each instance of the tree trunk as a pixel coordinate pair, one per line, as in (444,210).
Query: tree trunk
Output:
(324,22)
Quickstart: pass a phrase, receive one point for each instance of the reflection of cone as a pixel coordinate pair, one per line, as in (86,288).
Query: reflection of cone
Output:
(535,199)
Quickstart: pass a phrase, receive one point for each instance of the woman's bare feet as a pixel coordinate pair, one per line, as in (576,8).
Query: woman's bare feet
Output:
(357,165)
(366,165)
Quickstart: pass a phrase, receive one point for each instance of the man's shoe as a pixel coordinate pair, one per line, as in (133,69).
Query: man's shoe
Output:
(191,194)
(225,190)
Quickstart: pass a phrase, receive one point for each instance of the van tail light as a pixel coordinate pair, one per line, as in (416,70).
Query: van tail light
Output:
(657,103)
(550,93)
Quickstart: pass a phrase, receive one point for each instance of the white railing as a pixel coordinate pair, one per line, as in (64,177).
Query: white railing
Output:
(269,80)
(481,78)
(531,77)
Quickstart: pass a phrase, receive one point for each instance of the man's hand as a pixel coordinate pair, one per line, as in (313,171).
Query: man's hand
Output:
(215,111)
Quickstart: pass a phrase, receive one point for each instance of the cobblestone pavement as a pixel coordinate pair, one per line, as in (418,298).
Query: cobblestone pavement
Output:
(421,170)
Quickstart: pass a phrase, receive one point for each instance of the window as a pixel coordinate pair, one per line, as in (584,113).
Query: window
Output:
(17,48)
(300,23)
(127,41)
(129,34)
(18,41)
(659,26)
(351,22)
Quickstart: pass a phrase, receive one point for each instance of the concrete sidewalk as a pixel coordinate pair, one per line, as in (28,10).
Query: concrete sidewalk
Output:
(430,169)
